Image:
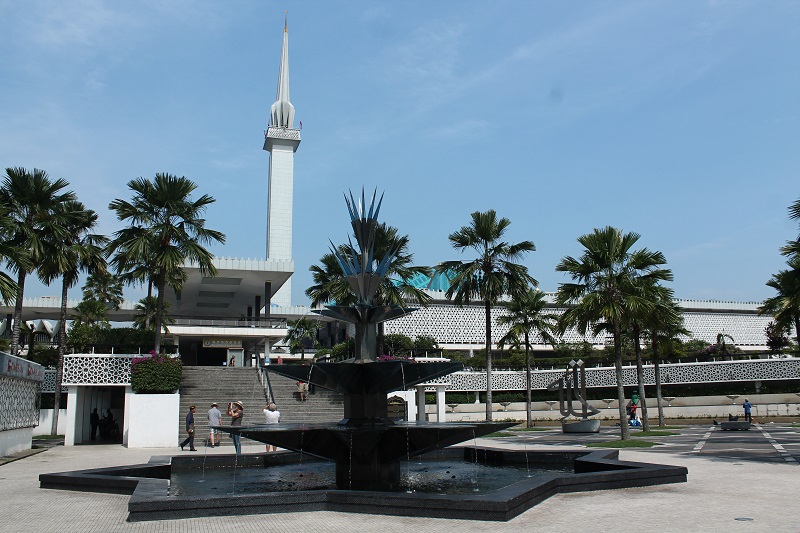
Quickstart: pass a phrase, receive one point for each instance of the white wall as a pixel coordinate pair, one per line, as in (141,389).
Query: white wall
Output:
(150,420)
(15,440)
(46,422)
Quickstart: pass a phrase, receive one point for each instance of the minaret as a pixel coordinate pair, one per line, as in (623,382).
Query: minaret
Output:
(281,141)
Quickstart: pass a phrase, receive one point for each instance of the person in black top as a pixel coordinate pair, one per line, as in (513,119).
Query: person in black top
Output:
(94,420)
(190,430)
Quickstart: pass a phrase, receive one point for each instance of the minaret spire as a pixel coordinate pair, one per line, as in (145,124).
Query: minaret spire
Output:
(282,111)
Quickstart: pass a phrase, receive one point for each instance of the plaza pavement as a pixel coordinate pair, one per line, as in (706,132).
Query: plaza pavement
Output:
(738,482)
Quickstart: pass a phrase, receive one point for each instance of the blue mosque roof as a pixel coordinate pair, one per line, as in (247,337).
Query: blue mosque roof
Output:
(437,282)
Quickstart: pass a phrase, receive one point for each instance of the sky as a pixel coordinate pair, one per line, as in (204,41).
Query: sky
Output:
(679,121)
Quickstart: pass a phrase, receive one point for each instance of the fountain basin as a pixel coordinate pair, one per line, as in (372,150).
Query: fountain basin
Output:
(150,498)
(581,426)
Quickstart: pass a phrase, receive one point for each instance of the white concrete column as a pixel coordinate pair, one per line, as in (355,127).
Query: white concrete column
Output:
(126,417)
(72,409)
(440,405)
(420,403)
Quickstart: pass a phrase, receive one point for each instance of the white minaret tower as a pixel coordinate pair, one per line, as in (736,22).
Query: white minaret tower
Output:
(281,141)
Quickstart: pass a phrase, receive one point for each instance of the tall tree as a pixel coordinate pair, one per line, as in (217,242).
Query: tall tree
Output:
(604,293)
(526,316)
(330,285)
(166,230)
(663,327)
(9,254)
(784,306)
(81,250)
(31,200)
(649,289)
(105,287)
(302,331)
(495,272)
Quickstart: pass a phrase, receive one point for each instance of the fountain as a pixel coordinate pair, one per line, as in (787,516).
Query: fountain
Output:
(366,445)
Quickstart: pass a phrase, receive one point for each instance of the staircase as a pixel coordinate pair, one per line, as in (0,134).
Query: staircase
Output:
(203,385)
(321,406)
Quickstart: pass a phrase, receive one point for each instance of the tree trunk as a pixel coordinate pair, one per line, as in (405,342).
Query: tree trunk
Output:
(623,418)
(528,381)
(640,377)
(60,366)
(149,296)
(161,282)
(657,371)
(18,313)
(488,309)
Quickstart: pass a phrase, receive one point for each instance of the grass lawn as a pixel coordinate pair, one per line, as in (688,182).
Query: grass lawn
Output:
(534,429)
(622,444)
(500,434)
(47,437)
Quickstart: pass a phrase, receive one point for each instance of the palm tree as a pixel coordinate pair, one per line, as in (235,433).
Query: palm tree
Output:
(104,287)
(31,201)
(300,331)
(525,316)
(792,248)
(604,295)
(663,327)
(80,251)
(331,286)
(651,290)
(8,254)
(92,313)
(494,273)
(166,230)
(145,313)
(785,305)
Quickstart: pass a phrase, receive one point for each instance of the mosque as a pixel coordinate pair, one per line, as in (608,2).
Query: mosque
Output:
(241,315)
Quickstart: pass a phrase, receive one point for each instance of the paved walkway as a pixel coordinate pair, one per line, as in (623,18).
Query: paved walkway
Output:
(738,482)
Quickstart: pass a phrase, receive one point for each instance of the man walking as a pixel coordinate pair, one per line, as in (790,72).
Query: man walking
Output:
(190,430)
(214,419)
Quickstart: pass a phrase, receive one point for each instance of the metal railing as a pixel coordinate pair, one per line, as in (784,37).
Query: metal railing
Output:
(269,323)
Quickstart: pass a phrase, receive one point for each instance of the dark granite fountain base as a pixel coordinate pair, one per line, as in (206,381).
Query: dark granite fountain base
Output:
(149,486)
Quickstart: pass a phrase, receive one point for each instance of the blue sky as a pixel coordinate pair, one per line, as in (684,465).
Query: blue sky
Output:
(677,120)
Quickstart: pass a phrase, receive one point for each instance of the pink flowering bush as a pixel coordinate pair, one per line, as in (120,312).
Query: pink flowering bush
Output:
(385,358)
(156,374)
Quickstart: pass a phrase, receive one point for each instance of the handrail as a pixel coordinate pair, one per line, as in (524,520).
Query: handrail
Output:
(263,376)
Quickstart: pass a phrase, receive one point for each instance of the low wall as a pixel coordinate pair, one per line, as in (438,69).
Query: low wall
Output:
(15,440)
(150,420)
(46,422)
(764,405)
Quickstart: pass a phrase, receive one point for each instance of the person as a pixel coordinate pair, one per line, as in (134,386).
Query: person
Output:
(190,430)
(236,412)
(302,391)
(94,420)
(273,416)
(214,419)
(232,361)
(747,408)
(280,360)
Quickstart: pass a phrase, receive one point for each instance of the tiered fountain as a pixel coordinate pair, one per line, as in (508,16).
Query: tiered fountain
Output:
(366,445)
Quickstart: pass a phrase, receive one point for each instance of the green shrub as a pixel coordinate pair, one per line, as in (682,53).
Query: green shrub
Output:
(158,374)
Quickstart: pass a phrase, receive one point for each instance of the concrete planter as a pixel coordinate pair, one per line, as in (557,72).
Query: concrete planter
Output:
(150,420)
(581,426)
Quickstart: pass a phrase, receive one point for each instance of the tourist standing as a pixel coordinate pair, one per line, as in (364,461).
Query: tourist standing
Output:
(214,421)
(190,430)
(747,408)
(236,412)
(273,416)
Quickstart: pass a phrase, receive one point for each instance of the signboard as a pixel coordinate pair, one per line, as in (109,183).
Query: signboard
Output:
(20,368)
(221,342)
